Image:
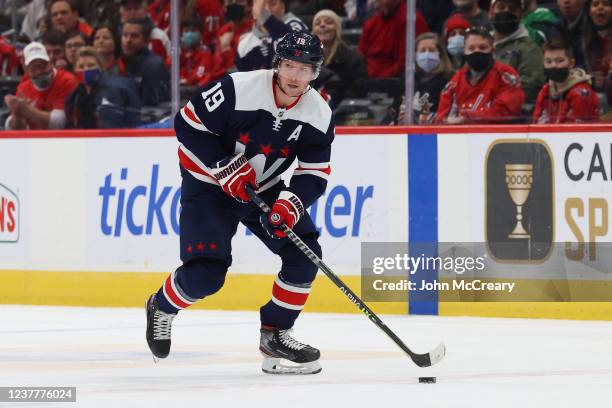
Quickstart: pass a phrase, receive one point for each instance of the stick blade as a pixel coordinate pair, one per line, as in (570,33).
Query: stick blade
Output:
(431,358)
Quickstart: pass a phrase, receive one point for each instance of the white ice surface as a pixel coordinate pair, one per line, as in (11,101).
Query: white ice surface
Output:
(215,363)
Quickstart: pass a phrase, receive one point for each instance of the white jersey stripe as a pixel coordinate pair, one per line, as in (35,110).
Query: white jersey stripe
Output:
(322,166)
(286,305)
(317,173)
(290,288)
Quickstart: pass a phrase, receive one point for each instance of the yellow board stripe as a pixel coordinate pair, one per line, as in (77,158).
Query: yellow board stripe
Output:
(131,289)
(249,292)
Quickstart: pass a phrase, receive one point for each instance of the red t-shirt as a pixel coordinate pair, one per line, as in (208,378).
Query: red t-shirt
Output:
(579,104)
(211,14)
(383,42)
(200,66)
(497,97)
(52,98)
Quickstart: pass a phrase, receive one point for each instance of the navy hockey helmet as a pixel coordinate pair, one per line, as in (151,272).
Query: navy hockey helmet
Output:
(301,47)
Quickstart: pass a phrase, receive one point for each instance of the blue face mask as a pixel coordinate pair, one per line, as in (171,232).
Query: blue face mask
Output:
(428,61)
(92,76)
(455,45)
(190,39)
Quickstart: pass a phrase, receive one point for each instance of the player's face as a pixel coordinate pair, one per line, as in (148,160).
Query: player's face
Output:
(104,42)
(476,43)
(63,18)
(294,77)
(557,59)
(325,29)
(132,39)
(601,12)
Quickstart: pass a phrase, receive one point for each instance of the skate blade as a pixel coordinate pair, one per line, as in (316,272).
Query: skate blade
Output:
(273,365)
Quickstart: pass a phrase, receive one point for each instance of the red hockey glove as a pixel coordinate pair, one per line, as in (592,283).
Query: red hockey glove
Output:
(287,209)
(233,173)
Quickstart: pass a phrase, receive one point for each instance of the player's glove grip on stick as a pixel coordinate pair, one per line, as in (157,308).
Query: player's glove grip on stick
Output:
(233,173)
(287,209)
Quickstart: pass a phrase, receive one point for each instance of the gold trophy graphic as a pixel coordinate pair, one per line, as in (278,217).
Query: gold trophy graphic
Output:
(519,178)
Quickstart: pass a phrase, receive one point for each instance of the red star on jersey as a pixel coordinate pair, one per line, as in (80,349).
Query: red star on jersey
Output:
(213,246)
(244,139)
(266,149)
(200,246)
(284,151)
(190,249)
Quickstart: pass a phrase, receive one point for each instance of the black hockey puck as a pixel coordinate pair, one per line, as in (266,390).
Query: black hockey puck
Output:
(427,380)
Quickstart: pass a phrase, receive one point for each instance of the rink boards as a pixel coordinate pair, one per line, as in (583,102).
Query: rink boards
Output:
(92,219)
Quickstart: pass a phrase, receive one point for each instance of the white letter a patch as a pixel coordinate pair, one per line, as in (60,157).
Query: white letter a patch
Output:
(296,133)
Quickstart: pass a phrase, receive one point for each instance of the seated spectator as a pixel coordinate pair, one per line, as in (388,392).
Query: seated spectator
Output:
(469,10)
(210,13)
(158,42)
(199,65)
(567,97)
(514,47)
(576,21)
(65,17)
(54,42)
(454,34)
(483,91)
(74,41)
(541,23)
(238,21)
(107,46)
(143,66)
(432,73)
(339,58)
(9,62)
(383,40)
(256,48)
(102,99)
(41,95)
(596,41)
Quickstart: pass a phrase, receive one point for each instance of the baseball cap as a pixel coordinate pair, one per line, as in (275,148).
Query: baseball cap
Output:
(33,51)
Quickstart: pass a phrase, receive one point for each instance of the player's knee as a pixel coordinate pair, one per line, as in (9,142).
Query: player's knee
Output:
(202,277)
(297,267)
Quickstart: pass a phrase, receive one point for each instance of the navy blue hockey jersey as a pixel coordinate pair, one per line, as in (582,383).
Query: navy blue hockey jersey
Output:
(239,114)
(256,49)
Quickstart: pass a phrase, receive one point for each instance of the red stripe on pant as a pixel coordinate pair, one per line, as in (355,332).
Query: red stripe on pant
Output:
(172,294)
(293,298)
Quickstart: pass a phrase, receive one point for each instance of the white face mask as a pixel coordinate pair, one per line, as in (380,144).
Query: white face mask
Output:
(455,45)
(428,61)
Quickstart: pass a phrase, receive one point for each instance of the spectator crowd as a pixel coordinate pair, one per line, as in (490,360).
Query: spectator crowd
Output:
(106,63)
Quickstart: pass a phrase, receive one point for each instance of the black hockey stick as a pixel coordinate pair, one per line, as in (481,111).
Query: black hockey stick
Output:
(422,360)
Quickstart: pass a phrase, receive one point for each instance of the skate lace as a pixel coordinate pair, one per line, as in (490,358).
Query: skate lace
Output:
(289,341)
(162,325)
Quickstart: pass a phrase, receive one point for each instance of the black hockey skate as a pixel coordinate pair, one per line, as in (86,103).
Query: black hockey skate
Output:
(285,355)
(159,326)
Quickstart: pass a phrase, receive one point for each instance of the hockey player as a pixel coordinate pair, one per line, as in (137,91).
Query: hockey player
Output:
(247,128)
(484,90)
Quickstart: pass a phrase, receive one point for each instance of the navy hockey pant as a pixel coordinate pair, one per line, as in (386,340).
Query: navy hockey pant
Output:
(208,221)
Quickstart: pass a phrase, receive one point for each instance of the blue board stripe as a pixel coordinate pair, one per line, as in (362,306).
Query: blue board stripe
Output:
(423,217)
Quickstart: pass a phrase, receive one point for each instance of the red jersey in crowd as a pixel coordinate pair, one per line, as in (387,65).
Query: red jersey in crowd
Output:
(84,28)
(496,97)
(238,30)
(159,11)
(200,66)
(574,102)
(383,42)
(52,98)
(8,58)
(211,14)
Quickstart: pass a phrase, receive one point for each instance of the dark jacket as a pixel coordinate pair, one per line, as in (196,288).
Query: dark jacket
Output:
(150,74)
(350,68)
(112,103)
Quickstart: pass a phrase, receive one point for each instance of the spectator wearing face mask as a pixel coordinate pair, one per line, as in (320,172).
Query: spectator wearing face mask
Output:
(41,95)
(469,10)
(454,34)
(514,47)
(102,100)
(199,65)
(597,41)
(567,97)
(483,91)
(433,71)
